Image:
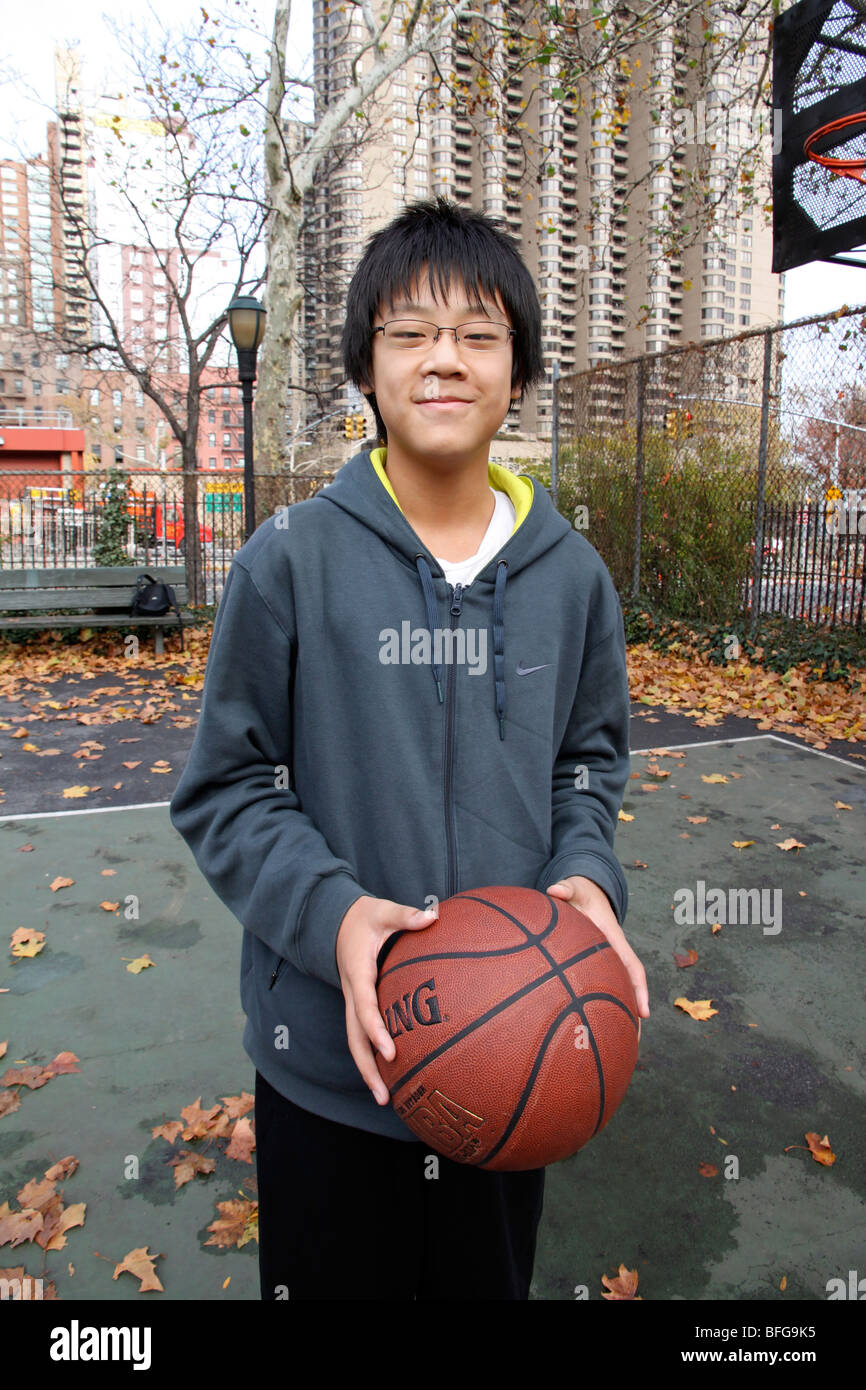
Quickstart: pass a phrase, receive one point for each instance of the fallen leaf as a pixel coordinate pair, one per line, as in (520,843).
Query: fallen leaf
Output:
(690,959)
(790,843)
(60,883)
(140,963)
(109,907)
(238,1224)
(242,1141)
(187,1163)
(696,820)
(696,1008)
(70,792)
(842,806)
(818,1147)
(742,844)
(26,942)
(713,777)
(624,816)
(708,1170)
(141,1264)
(623,1286)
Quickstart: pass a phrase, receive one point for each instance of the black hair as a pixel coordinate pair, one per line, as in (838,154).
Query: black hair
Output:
(455,243)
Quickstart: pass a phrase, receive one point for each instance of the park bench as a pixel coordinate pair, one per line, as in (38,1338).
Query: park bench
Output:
(100,596)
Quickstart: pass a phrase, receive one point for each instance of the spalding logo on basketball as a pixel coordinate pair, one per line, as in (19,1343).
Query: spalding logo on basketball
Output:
(516,1028)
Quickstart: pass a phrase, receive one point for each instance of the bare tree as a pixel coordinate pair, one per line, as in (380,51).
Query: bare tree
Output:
(180,195)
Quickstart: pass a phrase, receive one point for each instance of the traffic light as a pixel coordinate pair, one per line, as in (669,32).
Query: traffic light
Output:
(359,427)
(687,421)
(349,426)
(671,423)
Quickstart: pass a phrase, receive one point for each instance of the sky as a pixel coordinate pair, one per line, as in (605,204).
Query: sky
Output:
(30,31)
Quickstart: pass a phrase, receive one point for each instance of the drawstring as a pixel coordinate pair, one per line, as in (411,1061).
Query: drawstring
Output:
(498,632)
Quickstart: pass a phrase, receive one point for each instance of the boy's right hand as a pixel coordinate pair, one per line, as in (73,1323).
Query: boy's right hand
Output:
(363,932)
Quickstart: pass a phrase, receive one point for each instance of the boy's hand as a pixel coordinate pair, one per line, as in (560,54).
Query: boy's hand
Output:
(363,932)
(591,900)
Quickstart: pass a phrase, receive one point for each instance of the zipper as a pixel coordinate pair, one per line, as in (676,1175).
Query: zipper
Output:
(450,702)
(276,972)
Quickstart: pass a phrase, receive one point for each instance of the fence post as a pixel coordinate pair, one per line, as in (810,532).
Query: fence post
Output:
(638,480)
(554,461)
(757,558)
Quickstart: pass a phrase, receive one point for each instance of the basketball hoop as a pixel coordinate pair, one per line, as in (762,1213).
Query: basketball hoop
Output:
(850,168)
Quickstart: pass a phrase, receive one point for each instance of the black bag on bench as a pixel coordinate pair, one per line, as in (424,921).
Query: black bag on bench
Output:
(151,599)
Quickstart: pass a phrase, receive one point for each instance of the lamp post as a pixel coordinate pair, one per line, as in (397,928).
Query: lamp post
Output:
(247,327)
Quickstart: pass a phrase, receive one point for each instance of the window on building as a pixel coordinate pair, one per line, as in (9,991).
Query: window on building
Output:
(211,392)
(117,399)
(227,393)
(227,441)
(227,417)
(139,396)
(139,424)
(62,386)
(118,424)
(211,439)
(34,359)
(227,463)
(139,452)
(94,395)
(211,417)
(212,463)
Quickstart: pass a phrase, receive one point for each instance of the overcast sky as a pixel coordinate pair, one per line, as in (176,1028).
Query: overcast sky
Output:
(31,28)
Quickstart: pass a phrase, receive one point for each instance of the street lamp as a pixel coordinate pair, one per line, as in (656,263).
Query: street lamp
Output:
(247,327)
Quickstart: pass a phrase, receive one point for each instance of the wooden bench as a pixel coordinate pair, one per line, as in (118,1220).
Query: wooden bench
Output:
(100,597)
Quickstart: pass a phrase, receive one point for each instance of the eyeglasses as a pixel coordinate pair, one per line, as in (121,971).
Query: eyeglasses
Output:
(483,336)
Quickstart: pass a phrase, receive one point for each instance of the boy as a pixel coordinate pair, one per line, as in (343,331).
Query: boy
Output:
(344,770)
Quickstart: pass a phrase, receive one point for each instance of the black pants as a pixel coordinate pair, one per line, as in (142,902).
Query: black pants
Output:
(344,1213)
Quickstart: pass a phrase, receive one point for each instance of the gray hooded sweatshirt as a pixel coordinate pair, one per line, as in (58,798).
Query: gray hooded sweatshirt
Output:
(368,729)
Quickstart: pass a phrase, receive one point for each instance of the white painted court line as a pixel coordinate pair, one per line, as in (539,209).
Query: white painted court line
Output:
(87,811)
(633,752)
(750,738)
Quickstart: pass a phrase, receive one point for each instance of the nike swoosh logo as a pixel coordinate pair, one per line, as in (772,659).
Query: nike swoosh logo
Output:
(527,670)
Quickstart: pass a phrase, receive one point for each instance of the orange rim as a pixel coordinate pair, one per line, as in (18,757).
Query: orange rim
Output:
(851,168)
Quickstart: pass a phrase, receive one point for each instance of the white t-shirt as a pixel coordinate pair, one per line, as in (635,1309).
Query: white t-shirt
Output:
(497,533)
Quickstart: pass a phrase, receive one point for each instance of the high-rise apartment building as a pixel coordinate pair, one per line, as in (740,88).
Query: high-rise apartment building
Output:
(597,189)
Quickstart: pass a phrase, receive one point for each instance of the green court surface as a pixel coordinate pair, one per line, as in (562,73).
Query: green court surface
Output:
(782,1055)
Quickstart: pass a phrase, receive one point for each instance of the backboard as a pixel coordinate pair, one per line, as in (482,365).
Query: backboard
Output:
(819,76)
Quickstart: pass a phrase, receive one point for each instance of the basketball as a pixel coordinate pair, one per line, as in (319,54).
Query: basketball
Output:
(516,1028)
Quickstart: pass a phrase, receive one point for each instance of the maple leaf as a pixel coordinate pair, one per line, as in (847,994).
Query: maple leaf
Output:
(708,1170)
(140,963)
(62,1064)
(623,815)
(199,1122)
(170,1130)
(70,792)
(690,959)
(32,1077)
(790,843)
(713,777)
(26,942)
(18,1226)
(696,1008)
(10,1101)
(109,907)
(623,1286)
(141,1264)
(818,1147)
(63,1168)
(238,1224)
(236,1105)
(242,1142)
(696,820)
(742,844)
(187,1163)
(52,1237)
(60,883)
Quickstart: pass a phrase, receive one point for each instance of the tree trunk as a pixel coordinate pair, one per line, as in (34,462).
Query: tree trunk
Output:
(284,297)
(192,554)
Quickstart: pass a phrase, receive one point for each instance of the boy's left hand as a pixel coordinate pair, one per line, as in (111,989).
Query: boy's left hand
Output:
(591,900)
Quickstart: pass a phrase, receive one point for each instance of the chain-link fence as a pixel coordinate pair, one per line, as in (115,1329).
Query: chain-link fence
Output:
(727,480)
